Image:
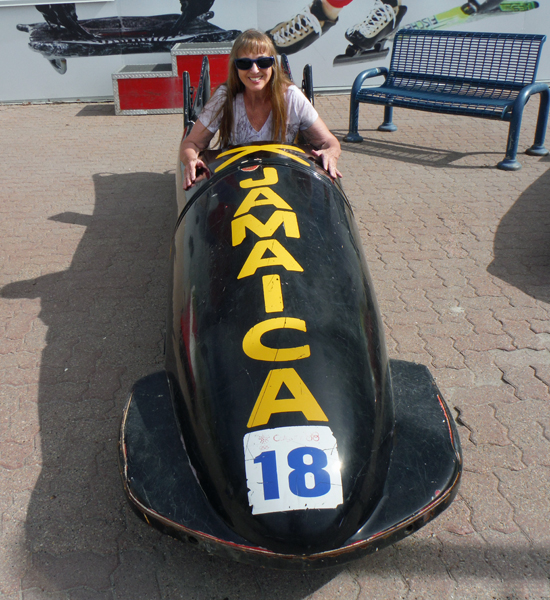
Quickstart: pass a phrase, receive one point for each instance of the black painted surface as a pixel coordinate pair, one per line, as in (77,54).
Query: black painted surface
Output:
(422,479)
(398,452)
(347,369)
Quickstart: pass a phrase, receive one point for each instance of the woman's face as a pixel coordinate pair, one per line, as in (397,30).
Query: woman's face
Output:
(254,79)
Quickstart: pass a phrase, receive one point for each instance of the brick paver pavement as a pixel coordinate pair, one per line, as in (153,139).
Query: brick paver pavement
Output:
(460,256)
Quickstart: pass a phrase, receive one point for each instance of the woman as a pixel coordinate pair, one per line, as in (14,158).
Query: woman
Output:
(257,103)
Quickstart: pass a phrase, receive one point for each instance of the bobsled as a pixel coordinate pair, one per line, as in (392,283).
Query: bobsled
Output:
(279,432)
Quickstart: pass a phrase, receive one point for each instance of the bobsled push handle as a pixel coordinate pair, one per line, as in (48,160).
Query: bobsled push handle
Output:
(307,84)
(307,87)
(285,65)
(187,101)
(192,107)
(203,90)
(307,77)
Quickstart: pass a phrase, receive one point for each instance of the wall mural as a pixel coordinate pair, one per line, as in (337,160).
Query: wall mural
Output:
(63,35)
(335,36)
(368,38)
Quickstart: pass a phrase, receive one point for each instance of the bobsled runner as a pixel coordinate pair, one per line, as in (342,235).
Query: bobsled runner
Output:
(279,432)
(469,12)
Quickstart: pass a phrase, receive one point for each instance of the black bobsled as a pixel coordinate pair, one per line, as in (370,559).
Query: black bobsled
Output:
(280,432)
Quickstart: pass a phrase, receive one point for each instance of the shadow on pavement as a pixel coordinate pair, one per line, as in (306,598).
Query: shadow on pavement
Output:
(102,109)
(414,154)
(105,317)
(522,242)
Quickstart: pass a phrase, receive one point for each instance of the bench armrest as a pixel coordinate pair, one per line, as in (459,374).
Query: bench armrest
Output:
(533,88)
(353,135)
(368,74)
(538,148)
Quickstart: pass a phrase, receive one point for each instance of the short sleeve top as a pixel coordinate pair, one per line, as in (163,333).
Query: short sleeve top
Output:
(300,116)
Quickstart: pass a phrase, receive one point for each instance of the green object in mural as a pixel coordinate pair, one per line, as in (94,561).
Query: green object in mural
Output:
(517,5)
(470,11)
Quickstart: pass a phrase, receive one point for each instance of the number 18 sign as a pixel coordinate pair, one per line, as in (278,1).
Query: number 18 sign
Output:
(292,468)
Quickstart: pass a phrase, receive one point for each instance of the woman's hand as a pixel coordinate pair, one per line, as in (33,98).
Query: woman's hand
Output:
(328,146)
(194,168)
(329,158)
(195,171)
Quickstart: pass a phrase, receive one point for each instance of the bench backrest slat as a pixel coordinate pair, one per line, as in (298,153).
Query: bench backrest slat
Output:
(489,58)
(412,80)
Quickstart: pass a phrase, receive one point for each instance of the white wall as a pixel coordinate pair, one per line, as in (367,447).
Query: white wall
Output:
(26,75)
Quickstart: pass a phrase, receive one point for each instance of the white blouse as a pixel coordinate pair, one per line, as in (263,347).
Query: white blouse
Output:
(301,115)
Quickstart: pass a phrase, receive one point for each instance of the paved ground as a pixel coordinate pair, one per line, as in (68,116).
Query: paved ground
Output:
(460,256)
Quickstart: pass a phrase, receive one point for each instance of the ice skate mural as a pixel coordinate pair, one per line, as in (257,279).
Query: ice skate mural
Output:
(368,38)
(63,35)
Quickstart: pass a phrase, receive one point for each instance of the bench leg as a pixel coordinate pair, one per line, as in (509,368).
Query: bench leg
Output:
(538,149)
(510,162)
(353,135)
(388,125)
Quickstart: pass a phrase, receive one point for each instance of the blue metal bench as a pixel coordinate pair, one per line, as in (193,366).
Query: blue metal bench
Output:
(487,75)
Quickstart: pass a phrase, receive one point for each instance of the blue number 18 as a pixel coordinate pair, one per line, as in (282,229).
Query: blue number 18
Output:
(297,477)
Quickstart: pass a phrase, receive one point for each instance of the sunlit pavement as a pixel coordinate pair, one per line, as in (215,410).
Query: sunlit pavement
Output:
(460,256)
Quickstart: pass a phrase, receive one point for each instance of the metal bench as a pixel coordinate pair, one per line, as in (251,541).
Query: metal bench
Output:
(487,75)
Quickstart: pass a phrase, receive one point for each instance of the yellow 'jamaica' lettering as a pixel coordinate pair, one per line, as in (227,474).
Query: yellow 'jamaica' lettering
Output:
(278,218)
(253,347)
(271,177)
(243,151)
(253,199)
(268,404)
(260,194)
(281,256)
(273,294)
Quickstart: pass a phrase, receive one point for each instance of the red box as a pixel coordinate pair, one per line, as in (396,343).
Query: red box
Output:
(158,88)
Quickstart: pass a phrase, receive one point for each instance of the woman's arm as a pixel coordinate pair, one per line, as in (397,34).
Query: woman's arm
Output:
(328,146)
(190,147)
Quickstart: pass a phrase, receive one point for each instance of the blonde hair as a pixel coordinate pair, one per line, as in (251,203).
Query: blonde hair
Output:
(253,41)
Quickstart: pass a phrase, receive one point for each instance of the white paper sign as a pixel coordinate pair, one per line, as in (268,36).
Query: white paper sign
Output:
(292,468)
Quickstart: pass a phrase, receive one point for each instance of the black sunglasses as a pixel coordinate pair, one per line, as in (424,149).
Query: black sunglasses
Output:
(264,62)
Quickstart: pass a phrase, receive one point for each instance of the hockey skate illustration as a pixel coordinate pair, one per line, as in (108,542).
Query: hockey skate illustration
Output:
(369,38)
(301,30)
(63,35)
